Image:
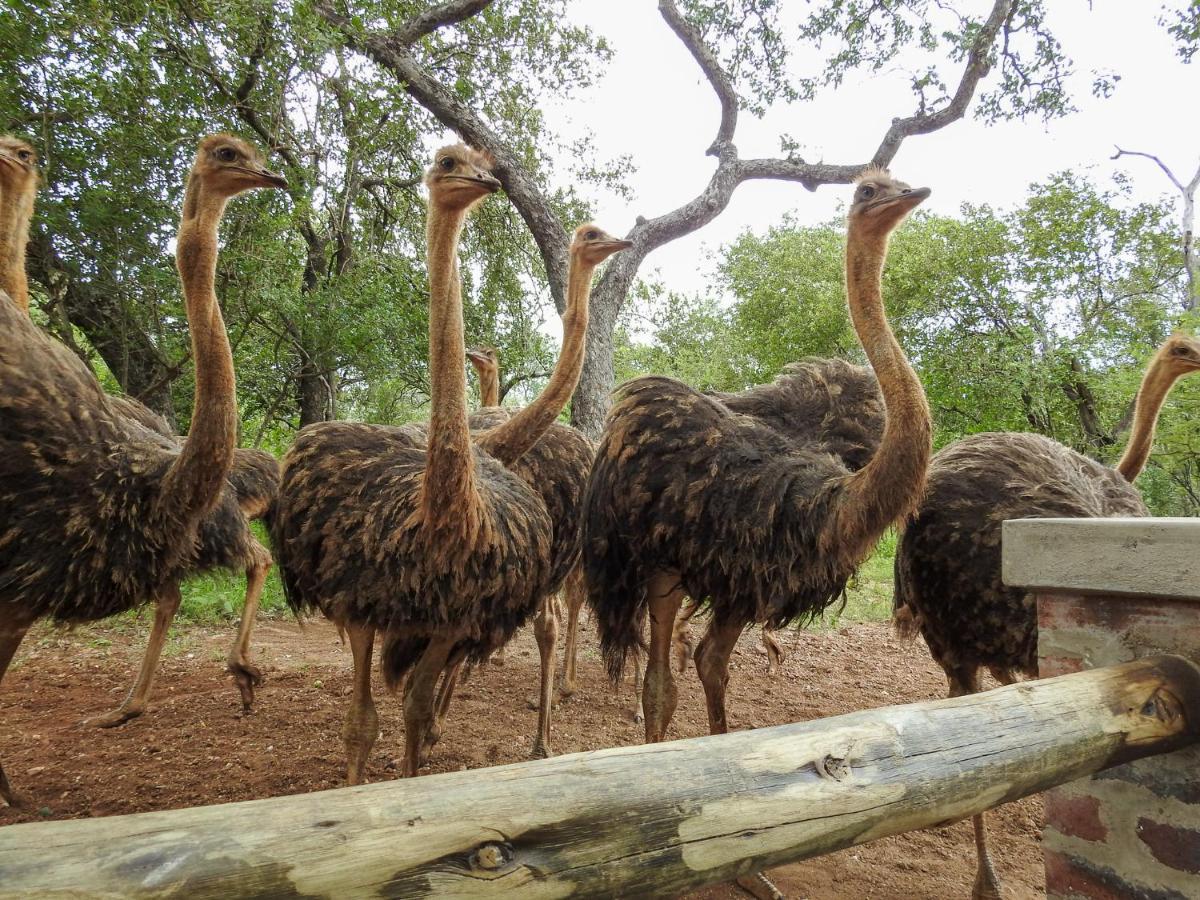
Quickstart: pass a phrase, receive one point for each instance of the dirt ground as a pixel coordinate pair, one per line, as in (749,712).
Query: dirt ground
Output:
(194,746)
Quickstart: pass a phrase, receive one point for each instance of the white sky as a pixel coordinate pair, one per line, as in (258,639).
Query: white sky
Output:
(653,104)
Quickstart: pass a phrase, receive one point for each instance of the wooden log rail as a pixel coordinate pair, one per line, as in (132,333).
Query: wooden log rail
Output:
(632,821)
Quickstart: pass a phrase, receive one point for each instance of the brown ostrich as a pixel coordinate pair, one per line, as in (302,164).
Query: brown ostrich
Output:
(948,582)
(426,534)
(101,516)
(253,477)
(18,188)
(760,503)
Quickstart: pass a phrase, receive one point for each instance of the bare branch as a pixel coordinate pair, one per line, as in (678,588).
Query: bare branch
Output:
(978,65)
(707,61)
(1162,165)
(449,13)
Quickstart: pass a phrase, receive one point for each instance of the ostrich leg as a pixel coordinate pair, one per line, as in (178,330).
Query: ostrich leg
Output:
(545,629)
(441,705)
(135,701)
(965,680)
(659,693)
(11,636)
(712,665)
(774,652)
(419,695)
(575,592)
(682,635)
(362,722)
(249,676)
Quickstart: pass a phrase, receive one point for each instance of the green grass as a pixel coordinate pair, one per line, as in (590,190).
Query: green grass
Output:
(217,598)
(869,593)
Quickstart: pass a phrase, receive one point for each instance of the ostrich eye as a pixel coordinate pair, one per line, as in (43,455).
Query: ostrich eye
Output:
(867,191)
(24,155)
(226,154)
(446,163)
(592,235)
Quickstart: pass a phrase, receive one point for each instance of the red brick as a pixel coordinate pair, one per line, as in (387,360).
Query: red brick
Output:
(1075,815)
(1171,845)
(1065,877)
(1060,610)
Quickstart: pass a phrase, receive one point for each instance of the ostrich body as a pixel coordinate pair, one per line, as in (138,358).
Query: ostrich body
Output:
(948,583)
(100,516)
(426,534)
(557,465)
(225,538)
(765,520)
(225,543)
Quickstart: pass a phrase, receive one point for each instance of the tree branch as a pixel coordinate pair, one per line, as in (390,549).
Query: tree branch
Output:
(707,61)
(449,13)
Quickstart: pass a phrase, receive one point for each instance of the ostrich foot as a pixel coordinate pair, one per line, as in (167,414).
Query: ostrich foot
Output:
(124,713)
(497,657)
(987,885)
(247,676)
(566,688)
(541,750)
(534,703)
(758,885)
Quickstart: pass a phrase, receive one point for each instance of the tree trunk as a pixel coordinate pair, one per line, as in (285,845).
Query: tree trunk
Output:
(590,404)
(125,348)
(653,820)
(312,393)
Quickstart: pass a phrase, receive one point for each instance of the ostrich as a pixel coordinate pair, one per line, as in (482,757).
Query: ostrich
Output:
(761,503)
(557,465)
(18,187)
(948,582)
(101,516)
(253,478)
(427,534)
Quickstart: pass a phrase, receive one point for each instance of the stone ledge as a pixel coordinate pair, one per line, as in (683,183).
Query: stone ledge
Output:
(1138,557)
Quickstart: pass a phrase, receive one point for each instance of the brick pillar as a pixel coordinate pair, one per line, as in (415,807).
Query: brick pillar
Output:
(1109,591)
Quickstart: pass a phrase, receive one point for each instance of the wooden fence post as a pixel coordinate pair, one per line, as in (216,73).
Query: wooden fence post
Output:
(1108,591)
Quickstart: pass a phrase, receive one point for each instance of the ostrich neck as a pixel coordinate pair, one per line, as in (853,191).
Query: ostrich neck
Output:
(195,479)
(891,483)
(1156,384)
(489,388)
(507,442)
(449,482)
(16,209)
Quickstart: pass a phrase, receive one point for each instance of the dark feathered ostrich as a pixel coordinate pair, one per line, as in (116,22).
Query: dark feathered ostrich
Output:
(225,542)
(762,504)
(225,538)
(100,516)
(948,583)
(557,465)
(427,534)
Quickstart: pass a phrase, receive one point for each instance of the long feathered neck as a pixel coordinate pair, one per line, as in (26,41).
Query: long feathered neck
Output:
(448,489)
(194,481)
(16,209)
(1156,384)
(507,442)
(489,387)
(890,485)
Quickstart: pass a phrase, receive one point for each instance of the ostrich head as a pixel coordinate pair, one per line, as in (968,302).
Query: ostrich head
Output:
(18,162)
(1180,354)
(592,244)
(485,359)
(460,177)
(228,165)
(881,202)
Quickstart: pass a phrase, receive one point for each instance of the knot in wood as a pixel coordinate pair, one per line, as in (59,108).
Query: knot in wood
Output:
(834,767)
(492,856)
